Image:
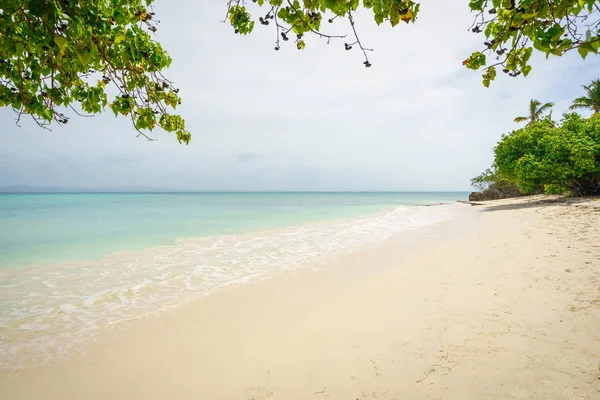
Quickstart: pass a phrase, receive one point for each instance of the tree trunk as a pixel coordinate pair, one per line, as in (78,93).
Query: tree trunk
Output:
(587,186)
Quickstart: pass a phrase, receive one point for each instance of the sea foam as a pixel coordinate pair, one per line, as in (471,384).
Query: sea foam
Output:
(50,313)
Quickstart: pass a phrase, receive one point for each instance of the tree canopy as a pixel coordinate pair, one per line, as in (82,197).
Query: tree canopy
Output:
(565,155)
(488,178)
(59,53)
(59,57)
(513,29)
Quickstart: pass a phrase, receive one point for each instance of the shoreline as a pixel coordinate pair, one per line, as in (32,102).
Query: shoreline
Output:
(41,324)
(188,216)
(497,304)
(112,255)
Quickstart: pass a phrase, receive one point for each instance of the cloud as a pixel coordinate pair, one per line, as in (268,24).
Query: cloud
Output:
(248,156)
(303,120)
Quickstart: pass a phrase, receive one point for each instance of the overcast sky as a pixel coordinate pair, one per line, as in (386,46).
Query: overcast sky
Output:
(303,120)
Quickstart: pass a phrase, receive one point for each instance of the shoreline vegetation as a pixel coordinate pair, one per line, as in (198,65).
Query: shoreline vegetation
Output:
(547,156)
(501,301)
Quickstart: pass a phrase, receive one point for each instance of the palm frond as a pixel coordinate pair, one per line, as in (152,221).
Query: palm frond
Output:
(581,103)
(592,100)
(541,110)
(533,105)
(521,119)
(593,88)
(595,92)
(579,107)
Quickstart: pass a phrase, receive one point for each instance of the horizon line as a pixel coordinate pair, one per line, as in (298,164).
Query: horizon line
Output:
(25,189)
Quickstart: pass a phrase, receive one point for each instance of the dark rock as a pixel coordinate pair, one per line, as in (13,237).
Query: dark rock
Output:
(494,192)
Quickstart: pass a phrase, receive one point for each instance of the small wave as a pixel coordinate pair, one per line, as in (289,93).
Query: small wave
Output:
(50,314)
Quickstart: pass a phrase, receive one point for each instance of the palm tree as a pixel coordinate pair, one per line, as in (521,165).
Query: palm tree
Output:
(536,111)
(591,101)
(549,119)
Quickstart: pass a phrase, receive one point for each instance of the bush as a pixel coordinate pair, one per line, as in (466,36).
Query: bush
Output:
(490,178)
(564,157)
(555,189)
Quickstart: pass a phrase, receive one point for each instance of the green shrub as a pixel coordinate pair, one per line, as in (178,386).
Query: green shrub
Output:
(555,189)
(566,156)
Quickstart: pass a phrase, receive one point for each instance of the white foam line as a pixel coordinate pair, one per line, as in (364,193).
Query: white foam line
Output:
(71,304)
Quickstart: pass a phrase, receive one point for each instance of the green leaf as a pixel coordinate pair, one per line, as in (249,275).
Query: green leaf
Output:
(526,55)
(330,4)
(61,42)
(477,5)
(583,51)
(84,57)
(475,61)
(530,16)
(378,18)
(119,38)
(20,48)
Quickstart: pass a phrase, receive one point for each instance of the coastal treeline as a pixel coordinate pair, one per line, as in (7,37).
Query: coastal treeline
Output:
(547,156)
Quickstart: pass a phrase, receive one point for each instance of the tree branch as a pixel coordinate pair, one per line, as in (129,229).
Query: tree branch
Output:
(364,50)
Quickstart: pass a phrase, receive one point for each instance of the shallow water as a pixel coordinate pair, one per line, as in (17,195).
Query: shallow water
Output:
(49,309)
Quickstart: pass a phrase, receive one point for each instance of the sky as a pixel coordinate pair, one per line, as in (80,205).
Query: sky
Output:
(317,119)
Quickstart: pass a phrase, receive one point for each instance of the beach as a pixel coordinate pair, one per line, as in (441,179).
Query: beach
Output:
(501,301)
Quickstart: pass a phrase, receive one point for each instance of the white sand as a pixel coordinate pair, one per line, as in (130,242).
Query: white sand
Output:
(508,307)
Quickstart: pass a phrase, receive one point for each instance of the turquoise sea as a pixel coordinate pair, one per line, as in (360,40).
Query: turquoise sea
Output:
(48,228)
(72,264)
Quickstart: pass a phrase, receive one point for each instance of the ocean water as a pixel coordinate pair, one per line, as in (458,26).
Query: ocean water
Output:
(74,264)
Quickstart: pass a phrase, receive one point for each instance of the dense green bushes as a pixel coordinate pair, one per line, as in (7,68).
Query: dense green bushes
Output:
(550,157)
(562,157)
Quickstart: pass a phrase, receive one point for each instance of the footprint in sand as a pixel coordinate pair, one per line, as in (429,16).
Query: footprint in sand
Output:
(321,392)
(259,393)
